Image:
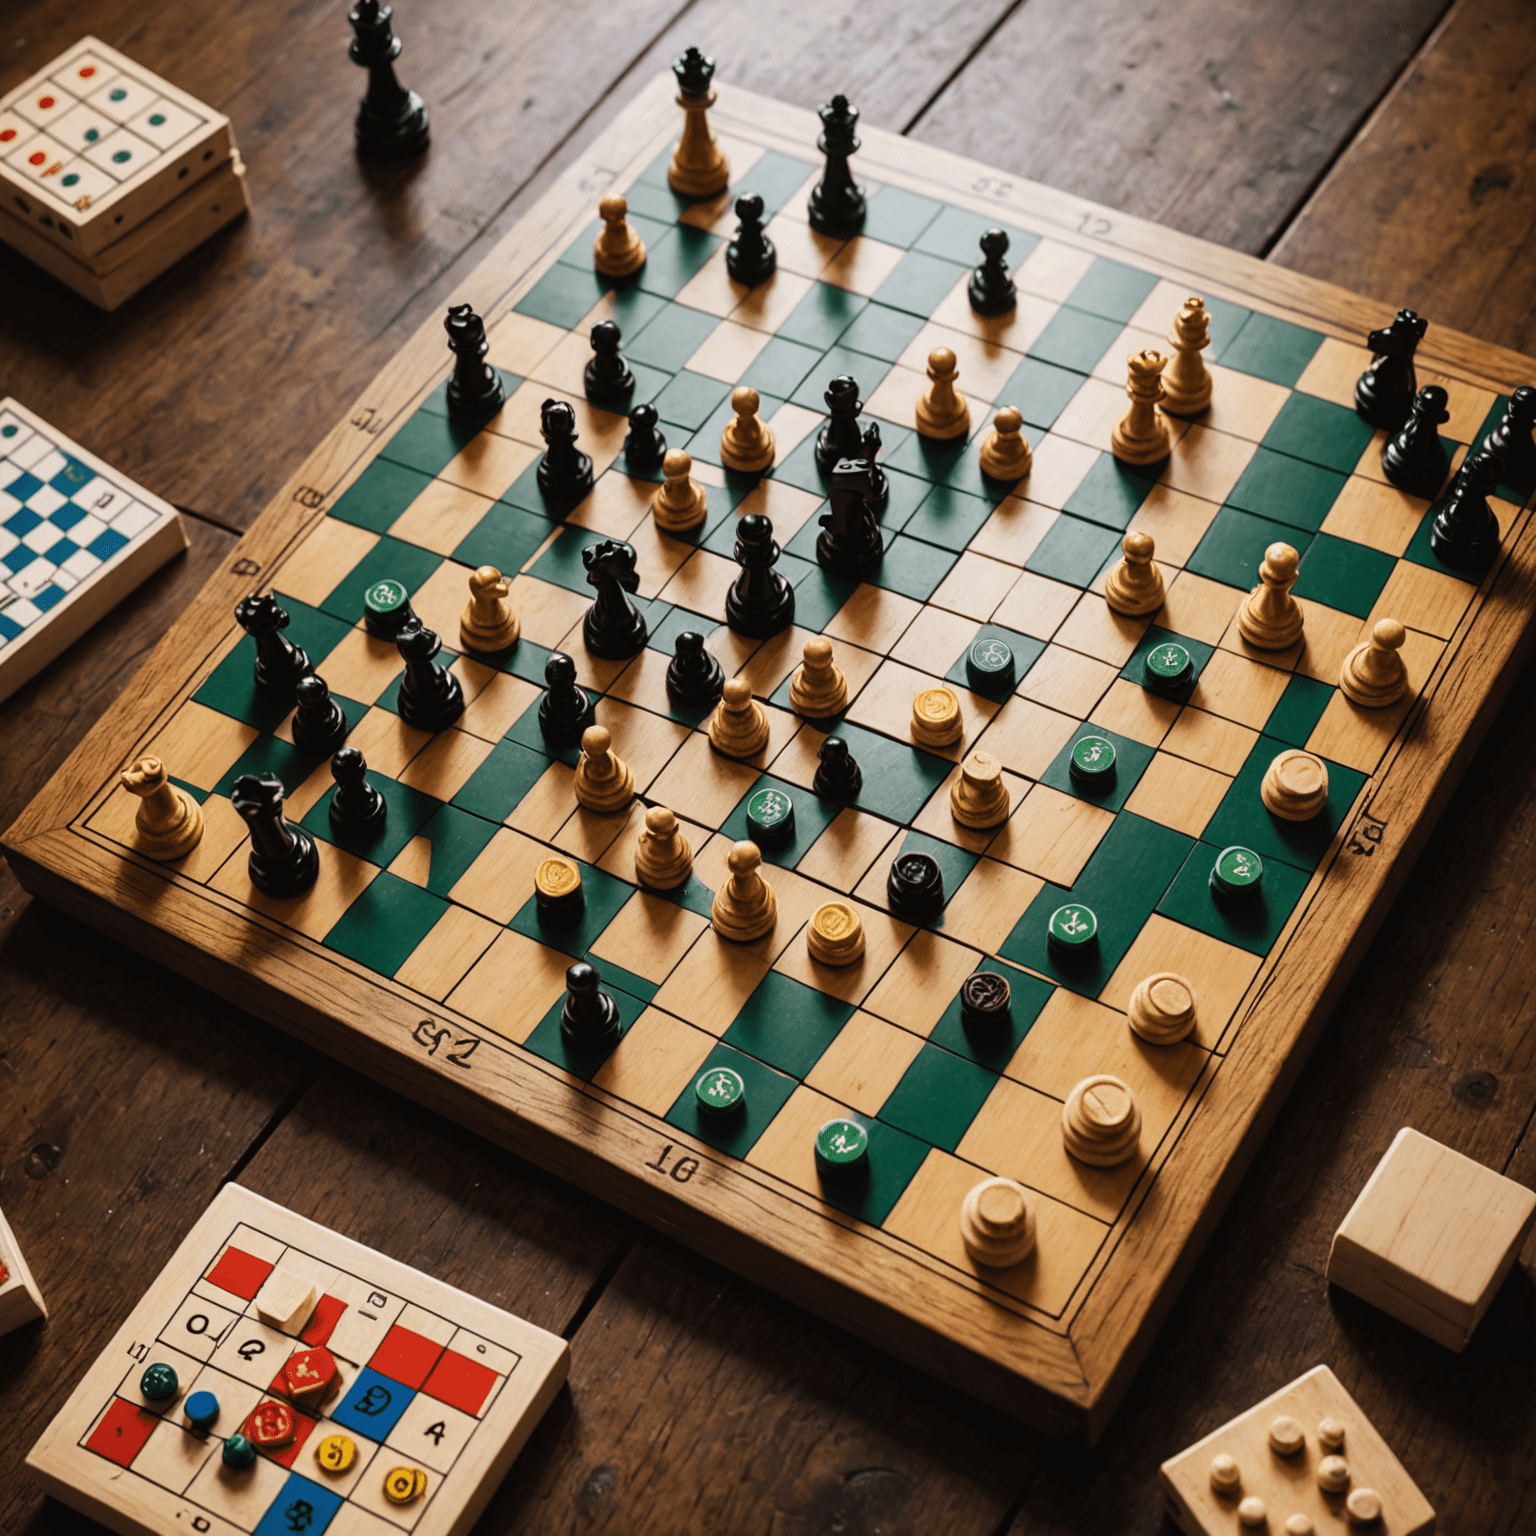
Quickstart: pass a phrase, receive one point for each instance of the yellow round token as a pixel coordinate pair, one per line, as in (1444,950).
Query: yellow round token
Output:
(336,1453)
(404,1485)
(936,706)
(834,920)
(556,877)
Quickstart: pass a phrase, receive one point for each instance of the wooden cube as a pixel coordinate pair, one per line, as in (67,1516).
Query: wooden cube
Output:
(1273,1459)
(1431,1238)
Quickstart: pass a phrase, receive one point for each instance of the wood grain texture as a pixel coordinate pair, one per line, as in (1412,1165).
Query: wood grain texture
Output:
(1434,204)
(1209,117)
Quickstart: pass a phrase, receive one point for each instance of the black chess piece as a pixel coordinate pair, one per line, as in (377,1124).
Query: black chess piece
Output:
(392,121)
(695,678)
(915,885)
(838,776)
(750,258)
(1512,439)
(879,487)
(1385,391)
(1465,531)
(431,698)
(760,601)
(613,628)
(283,860)
(356,805)
(319,723)
(837,205)
(607,378)
(1413,458)
(476,389)
(991,289)
(565,472)
(840,436)
(565,711)
(644,445)
(984,1000)
(279,662)
(850,543)
(589,1015)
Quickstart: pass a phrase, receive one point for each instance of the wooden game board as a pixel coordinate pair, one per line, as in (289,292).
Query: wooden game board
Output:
(421,957)
(432,1380)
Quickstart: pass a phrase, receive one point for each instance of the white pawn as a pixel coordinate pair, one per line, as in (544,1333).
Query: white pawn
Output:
(663,856)
(1270,619)
(746,441)
(942,411)
(818,689)
(1373,674)
(745,907)
(997,1223)
(168,822)
(1135,586)
(1142,436)
(979,797)
(618,249)
(739,725)
(603,782)
(681,502)
(489,623)
(1004,452)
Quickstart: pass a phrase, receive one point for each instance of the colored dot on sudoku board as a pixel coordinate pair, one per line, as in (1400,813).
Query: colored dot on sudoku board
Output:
(156,119)
(8,430)
(118,94)
(120,156)
(71,179)
(87,71)
(36,157)
(6,135)
(92,134)
(44,102)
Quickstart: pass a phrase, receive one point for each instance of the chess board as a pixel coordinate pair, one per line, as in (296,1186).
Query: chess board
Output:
(420,955)
(435,1387)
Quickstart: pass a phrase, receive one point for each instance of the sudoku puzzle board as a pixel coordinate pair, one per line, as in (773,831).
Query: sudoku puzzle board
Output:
(423,947)
(432,1380)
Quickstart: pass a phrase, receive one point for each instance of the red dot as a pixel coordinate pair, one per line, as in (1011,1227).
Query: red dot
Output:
(88,71)
(36,157)
(45,102)
(6,135)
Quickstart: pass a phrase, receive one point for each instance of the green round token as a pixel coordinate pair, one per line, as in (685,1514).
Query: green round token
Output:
(9,429)
(157,119)
(1073,929)
(239,1452)
(159,1383)
(386,607)
(989,665)
(842,1147)
(1092,763)
(1237,872)
(1168,666)
(720,1091)
(121,155)
(770,817)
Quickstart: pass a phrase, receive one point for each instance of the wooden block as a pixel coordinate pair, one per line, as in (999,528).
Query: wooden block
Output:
(20,1298)
(851,845)
(988,905)
(1431,1237)
(285,1300)
(1095,629)
(485,1380)
(873,619)
(936,633)
(1066,681)
(1375,514)
(975,586)
(447,763)
(649,936)
(1207,463)
(1131,710)
(1011,535)
(441,517)
(1288,1485)
(713,980)
(1198,608)
(1206,738)
(1234,688)
(448,953)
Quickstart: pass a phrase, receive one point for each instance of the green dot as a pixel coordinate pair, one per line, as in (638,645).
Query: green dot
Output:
(117,94)
(157,119)
(159,1383)
(239,1452)
(1093,760)
(1073,927)
(8,430)
(770,817)
(720,1090)
(69,180)
(121,155)
(841,1147)
(92,134)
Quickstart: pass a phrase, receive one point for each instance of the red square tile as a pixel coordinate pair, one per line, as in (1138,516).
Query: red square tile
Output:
(122,1432)
(460,1382)
(322,1324)
(405,1356)
(239,1273)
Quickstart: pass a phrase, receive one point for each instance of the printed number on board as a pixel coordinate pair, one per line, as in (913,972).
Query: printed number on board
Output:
(680,1171)
(457,1049)
(1365,838)
(995,185)
(1094,224)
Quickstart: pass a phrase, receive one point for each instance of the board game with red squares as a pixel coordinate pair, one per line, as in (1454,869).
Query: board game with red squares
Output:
(280,1379)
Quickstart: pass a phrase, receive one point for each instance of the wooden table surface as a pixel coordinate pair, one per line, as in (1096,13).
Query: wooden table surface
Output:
(1384,145)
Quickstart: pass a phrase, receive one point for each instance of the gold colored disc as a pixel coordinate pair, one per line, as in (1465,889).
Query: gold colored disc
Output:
(404,1485)
(336,1453)
(935,705)
(834,921)
(556,877)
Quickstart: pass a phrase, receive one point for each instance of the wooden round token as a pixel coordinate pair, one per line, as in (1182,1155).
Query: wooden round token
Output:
(1300,1525)
(1101,1121)
(1162,1008)
(556,878)
(1333,1474)
(1295,786)
(336,1453)
(936,718)
(271,1425)
(835,935)
(1330,1432)
(997,1223)
(404,1485)
(1225,1475)
(1363,1506)
(1286,1436)
(1252,1512)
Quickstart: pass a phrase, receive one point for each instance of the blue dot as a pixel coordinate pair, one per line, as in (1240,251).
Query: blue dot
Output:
(202,1408)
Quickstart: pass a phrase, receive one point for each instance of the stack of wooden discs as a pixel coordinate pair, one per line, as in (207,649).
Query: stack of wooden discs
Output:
(997,1223)
(1101,1121)
(1295,786)
(1163,1008)
(936,718)
(835,935)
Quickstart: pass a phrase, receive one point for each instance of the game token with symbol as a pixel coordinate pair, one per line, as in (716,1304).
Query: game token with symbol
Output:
(336,1453)
(271,1425)
(989,666)
(770,818)
(720,1091)
(1236,873)
(915,885)
(404,1485)
(1073,930)
(557,888)
(984,998)
(1092,764)
(386,608)
(311,1375)
(842,1148)
(835,933)
(1168,667)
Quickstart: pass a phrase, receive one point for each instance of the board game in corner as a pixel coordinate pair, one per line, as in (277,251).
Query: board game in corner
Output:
(20,1299)
(278,1377)
(76,537)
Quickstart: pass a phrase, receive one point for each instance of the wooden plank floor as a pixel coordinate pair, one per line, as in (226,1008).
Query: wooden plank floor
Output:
(1384,146)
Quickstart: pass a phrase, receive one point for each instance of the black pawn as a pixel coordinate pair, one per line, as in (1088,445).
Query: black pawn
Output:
(760,602)
(279,662)
(915,885)
(356,806)
(476,390)
(840,437)
(431,697)
(1512,439)
(589,1015)
(319,723)
(613,627)
(838,206)
(991,289)
(1384,393)
(1414,458)
(694,677)
(607,379)
(879,486)
(838,776)
(750,258)
(644,445)
(565,711)
(565,472)
(1465,531)
(283,859)
(391,121)
(849,543)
